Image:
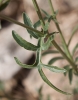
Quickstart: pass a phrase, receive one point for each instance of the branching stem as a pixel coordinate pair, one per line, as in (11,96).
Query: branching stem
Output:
(57,25)
(18,23)
(54,43)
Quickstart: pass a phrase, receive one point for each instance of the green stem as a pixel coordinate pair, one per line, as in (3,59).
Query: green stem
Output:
(38,52)
(64,55)
(57,25)
(18,23)
(38,13)
(73,33)
(54,43)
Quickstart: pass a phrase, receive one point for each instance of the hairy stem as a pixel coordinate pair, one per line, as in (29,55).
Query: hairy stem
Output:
(57,25)
(18,23)
(64,55)
(38,12)
(54,43)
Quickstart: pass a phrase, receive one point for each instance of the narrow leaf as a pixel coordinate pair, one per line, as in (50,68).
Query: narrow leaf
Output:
(38,56)
(46,26)
(73,33)
(76,59)
(23,42)
(1,86)
(28,22)
(40,93)
(4,5)
(24,65)
(50,17)
(70,75)
(49,52)
(38,23)
(67,68)
(54,60)
(47,44)
(54,68)
(75,48)
(21,24)
(47,15)
(48,97)
(56,12)
(45,79)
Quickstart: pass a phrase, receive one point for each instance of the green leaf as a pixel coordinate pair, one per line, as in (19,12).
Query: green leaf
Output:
(56,12)
(38,56)
(28,22)
(40,96)
(47,15)
(24,65)
(4,4)
(75,48)
(46,26)
(48,97)
(70,75)
(38,23)
(67,68)
(76,59)
(54,59)
(23,42)
(50,17)
(40,89)
(47,44)
(49,52)
(45,79)
(54,68)
(1,86)
(73,33)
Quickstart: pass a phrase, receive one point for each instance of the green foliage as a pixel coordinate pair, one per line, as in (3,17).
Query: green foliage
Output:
(76,59)
(49,52)
(3,4)
(40,94)
(1,86)
(74,49)
(38,23)
(28,22)
(47,44)
(40,46)
(67,67)
(73,33)
(45,41)
(23,42)
(49,83)
(70,75)
(54,59)
(54,68)
(50,17)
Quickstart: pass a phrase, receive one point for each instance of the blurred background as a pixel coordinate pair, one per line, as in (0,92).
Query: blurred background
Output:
(25,84)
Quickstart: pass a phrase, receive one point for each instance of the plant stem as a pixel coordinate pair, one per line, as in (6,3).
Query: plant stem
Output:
(38,12)
(57,25)
(64,55)
(18,23)
(54,43)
